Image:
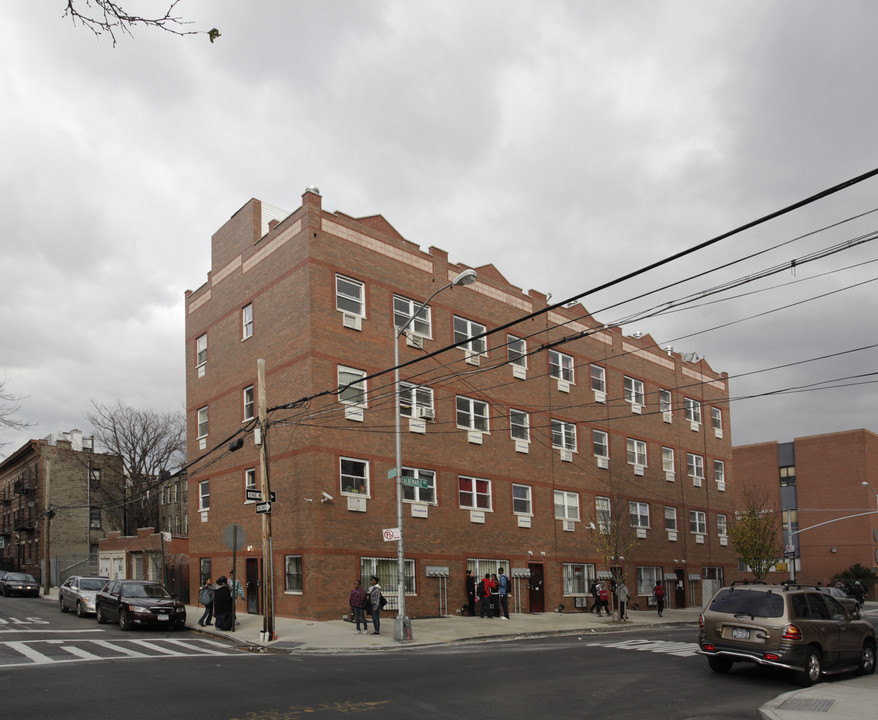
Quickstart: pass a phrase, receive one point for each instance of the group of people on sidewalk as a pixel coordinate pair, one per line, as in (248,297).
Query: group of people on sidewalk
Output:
(493,593)
(367,601)
(219,602)
(601,591)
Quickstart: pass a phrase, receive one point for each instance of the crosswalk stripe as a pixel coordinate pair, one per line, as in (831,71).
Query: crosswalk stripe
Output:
(156,648)
(81,653)
(26,650)
(195,648)
(116,647)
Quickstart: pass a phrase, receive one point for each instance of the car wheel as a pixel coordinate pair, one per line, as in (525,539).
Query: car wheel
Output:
(80,611)
(124,621)
(63,606)
(811,672)
(99,615)
(720,664)
(867,660)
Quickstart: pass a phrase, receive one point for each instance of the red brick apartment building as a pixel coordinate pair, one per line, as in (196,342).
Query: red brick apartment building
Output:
(521,449)
(815,480)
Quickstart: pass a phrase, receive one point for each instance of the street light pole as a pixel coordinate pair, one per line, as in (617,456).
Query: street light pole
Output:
(402,628)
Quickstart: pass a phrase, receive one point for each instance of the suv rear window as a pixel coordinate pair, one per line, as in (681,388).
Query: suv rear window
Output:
(738,601)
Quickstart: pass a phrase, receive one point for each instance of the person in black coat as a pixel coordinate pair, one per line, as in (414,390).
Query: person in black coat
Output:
(222,605)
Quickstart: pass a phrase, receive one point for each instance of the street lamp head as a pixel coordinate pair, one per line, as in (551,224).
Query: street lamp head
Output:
(467,277)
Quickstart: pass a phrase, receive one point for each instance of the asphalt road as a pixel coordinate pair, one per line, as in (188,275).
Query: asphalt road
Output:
(81,668)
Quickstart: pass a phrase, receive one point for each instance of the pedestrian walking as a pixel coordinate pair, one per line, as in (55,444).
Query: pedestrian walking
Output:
(205,597)
(505,591)
(223,605)
(596,601)
(624,598)
(358,601)
(375,599)
(495,595)
(603,598)
(658,592)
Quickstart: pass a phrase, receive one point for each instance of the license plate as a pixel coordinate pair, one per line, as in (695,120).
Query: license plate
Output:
(740,634)
(166,617)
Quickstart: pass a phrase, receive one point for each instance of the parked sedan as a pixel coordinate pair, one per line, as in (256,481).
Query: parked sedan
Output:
(138,602)
(848,603)
(78,593)
(20,584)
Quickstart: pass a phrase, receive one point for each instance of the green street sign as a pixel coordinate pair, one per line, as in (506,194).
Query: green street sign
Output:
(415,482)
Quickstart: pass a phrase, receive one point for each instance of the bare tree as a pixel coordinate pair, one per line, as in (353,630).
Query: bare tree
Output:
(614,538)
(107,16)
(756,531)
(149,443)
(10,405)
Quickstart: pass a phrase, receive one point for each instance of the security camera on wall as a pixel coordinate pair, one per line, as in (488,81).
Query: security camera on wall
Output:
(326,497)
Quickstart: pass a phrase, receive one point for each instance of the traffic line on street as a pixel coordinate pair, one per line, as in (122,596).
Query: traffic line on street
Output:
(667,647)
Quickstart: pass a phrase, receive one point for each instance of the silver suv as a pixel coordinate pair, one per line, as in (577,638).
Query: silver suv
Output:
(796,627)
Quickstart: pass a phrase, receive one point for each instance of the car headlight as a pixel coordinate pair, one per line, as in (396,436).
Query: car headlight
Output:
(137,610)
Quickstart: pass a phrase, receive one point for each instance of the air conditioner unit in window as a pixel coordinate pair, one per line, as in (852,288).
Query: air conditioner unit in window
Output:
(569,526)
(426,413)
(412,340)
(96,524)
(472,358)
(354,322)
(668,416)
(603,462)
(696,481)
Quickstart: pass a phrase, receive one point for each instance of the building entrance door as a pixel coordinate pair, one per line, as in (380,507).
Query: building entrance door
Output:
(680,588)
(252,586)
(536,591)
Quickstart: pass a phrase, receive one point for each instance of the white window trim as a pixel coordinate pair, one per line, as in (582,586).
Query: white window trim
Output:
(692,410)
(520,361)
(467,346)
(529,511)
(676,523)
(412,326)
(409,399)
(606,444)
(205,423)
(247,486)
(700,521)
(471,414)
(525,426)
(563,367)
(246,324)
(693,467)
(636,395)
(355,385)
(202,484)
(603,378)
(361,301)
(475,495)
(252,402)
(638,506)
(638,450)
(199,350)
(569,500)
(367,478)
(420,473)
(563,426)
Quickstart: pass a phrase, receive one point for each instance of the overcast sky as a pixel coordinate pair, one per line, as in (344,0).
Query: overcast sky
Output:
(566,143)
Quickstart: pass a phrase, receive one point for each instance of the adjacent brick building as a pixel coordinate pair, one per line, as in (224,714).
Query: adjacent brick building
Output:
(52,505)
(521,447)
(815,480)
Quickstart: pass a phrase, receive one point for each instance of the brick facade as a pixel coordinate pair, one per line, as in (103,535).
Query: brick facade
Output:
(829,471)
(45,494)
(288,279)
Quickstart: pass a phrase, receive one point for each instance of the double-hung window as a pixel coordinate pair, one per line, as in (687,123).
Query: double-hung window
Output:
(719,471)
(670,518)
(601,444)
(639,513)
(636,452)
(248,403)
(647,579)
(721,525)
(598,379)
(472,414)
(465,332)
(634,393)
(521,500)
(247,321)
(692,410)
(563,435)
(404,309)
(474,493)
(695,466)
(519,425)
(516,351)
(415,400)
(352,386)
(425,495)
(204,495)
(293,573)
(560,366)
(716,418)
(668,459)
(349,296)
(201,349)
(566,505)
(354,476)
(602,513)
(249,482)
(697,522)
(665,402)
(202,422)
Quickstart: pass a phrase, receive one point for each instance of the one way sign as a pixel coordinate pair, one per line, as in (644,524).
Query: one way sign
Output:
(262,508)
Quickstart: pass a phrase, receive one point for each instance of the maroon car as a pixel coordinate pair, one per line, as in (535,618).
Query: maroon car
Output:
(139,602)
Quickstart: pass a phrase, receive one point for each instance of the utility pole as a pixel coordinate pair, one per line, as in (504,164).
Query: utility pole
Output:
(265,486)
